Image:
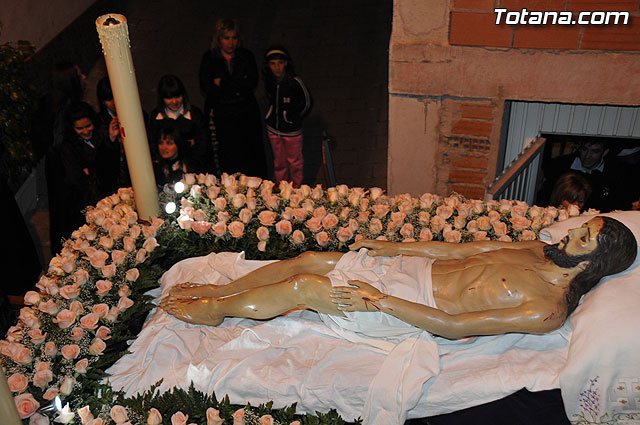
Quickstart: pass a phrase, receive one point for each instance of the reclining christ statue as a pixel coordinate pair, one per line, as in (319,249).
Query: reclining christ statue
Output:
(450,290)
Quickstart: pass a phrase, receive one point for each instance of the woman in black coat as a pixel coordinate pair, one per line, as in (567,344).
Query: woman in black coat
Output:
(228,77)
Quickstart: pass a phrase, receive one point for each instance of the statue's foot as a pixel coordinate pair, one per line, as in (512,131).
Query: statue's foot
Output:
(199,311)
(188,289)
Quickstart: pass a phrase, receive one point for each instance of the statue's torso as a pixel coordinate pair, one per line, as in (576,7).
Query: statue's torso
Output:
(497,279)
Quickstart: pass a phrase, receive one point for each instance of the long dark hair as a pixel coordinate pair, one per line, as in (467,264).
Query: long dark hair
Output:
(616,251)
(78,111)
(171,86)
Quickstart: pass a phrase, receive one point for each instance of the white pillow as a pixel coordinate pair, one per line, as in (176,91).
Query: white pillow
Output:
(555,232)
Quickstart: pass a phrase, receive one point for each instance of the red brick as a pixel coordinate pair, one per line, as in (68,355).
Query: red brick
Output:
(546,36)
(478,29)
(541,5)
(467,176)
(469,192)
(477,112)
(472,128)
(468,161)
(596,5)
(475,4)
(612,37)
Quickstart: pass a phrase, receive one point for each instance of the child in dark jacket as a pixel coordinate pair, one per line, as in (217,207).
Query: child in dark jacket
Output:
(289,102)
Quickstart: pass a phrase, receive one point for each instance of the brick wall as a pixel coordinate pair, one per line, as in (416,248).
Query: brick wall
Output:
(472,23)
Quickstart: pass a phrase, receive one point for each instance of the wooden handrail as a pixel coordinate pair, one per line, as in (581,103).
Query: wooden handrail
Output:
(516,167)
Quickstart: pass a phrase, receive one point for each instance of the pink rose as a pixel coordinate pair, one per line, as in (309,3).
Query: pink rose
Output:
(300,213)
(238,417)
(77,333)
(213,417)
(50,306)
(129,244)
(200,227)
(150,244)
(266,420)
(472,226)
(425,235)
(70,351)
(124,303)
(42,378)
(31,298)
(344,234)
(536,223)
(220,203)
(154,418)
(505,206)
(118,414)
(132,274)
(320,212)
(100,310)
(70,291)
(26,405)
(134,231)
(297,237)
(97,347)
(106,242)
(262,246)
(314,224)
(322,238)
(76,307)
(480,235)
(112,315)
(363,216)
(149,231)
(108,271)
(213,192)
(236,229)
(67,385)
(50,349)
(499,228)
(330,221)
(444,211)
(437,223)
(21,354)
(426,200)
(375,226)
(271,201)
(424,217)
(238,200)
(520,223)
(50,394)
(459,222)
(117,231)
(407,230)
(505,238)
(81,366)
(103,287)
(283,227)
(220,228)
(29,318)
(267,218)
(527,235)
(179,418)
(89,321)
(245,215)
(317,192)
(380,210)
(85,415)
(37,337)
(65,318)
(484,223)
(494,216)
(452,201)
(262,233)
(196,191)
(17,383)
(519,210)
(536,211)
(563,214)
(253,182)
(104,333)
(118,256)
(453,236)
(141,255)
(252,203)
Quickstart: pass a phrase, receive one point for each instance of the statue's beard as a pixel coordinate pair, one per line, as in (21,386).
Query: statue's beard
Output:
(560,256)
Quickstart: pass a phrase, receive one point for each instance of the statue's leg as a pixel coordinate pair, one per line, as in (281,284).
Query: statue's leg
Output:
(308,262)
(262,302)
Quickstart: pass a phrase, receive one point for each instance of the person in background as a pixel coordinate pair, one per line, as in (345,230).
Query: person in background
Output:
(571,189)
(228,77)
(173,109)
(168,164)
(82,151)
(289,102)
(116,172)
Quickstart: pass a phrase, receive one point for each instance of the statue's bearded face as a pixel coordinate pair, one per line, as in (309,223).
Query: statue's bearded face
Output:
(577,246)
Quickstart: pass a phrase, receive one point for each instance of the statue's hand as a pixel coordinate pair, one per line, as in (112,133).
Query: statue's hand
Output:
(376,247)
(359,297)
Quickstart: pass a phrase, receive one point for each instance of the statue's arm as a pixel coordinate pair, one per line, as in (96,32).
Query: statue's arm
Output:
(535,317)
(439,250)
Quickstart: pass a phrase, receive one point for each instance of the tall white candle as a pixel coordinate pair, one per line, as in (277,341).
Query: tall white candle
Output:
(114,36)
(7,405)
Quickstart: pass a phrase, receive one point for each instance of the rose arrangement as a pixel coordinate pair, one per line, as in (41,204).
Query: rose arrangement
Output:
(75,325)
